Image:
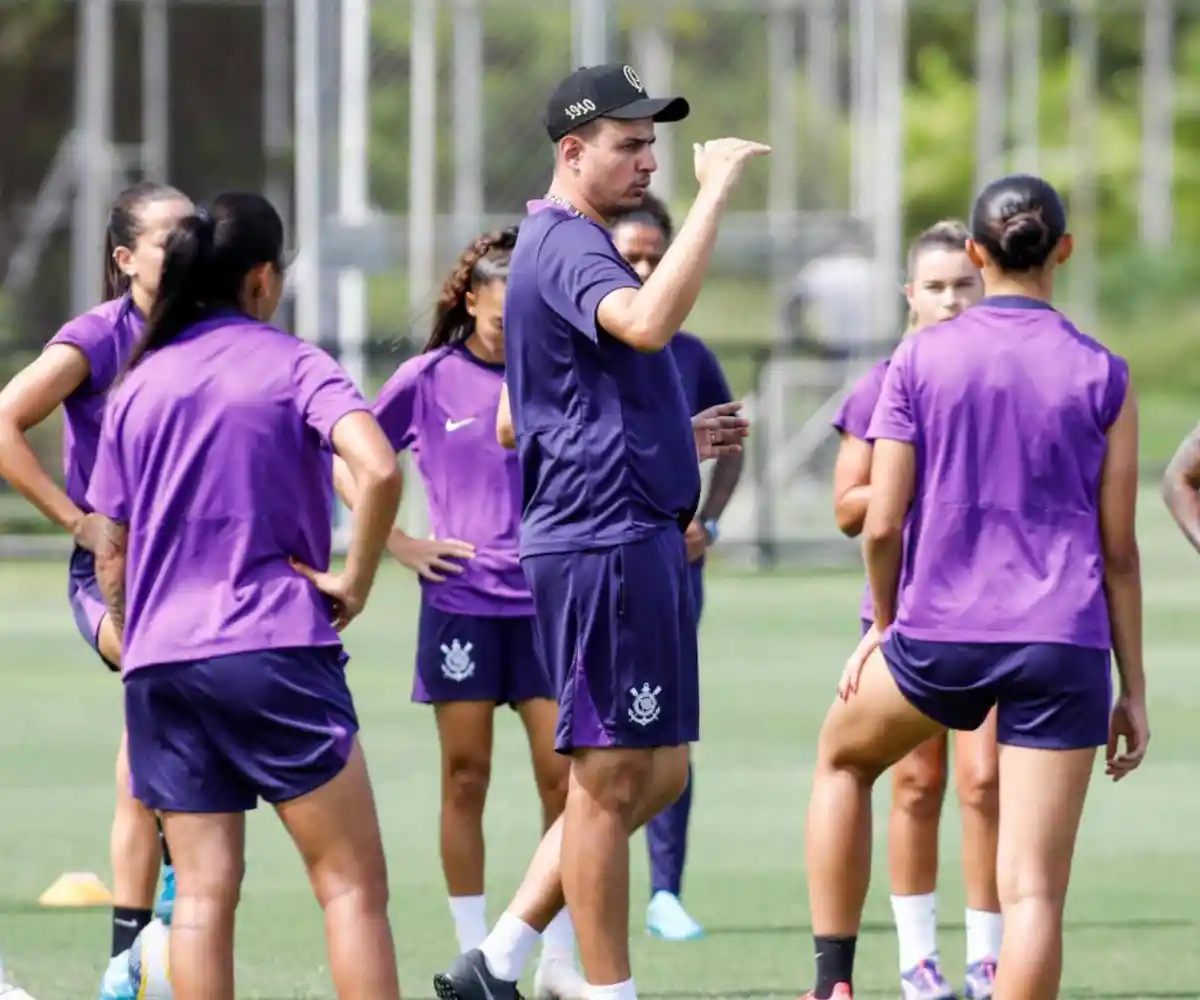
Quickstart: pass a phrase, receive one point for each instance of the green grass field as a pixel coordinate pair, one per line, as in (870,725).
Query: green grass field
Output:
(772,649)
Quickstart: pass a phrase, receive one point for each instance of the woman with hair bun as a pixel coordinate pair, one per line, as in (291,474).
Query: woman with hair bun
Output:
(1001,550)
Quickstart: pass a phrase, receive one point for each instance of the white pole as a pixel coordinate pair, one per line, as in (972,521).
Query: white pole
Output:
(93,154)
(590,24)
(353,179)
(1085,45)
(276,107)
(1026,84)
(1158,125)
(655,62)
(468,119)
(782,117)
(307,268)
(821,60)
(990,90)
(156,97)
(889,205)
(864,156)
(422,164)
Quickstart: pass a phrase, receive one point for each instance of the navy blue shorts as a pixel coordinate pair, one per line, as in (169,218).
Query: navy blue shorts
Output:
(1049,696)
(618,628)
(216,735)
(478,658)
(87,603)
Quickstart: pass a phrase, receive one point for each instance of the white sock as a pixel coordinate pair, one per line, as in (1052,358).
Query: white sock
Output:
(470,920)
(916,927)
(508,947)
(619,991)
(984,933)
(558,939)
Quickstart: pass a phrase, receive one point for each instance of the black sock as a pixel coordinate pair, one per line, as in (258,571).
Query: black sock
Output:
(162,839)
(835,964)
(128,922)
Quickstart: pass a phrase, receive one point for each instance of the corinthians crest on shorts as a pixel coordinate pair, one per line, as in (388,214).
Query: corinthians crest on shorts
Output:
(645,709)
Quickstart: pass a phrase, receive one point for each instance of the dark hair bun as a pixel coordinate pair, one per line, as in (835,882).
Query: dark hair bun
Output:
(1025,239)
(1019,220)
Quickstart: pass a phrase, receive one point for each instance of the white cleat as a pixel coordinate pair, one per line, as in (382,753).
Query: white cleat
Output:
(10,992)
(556,979)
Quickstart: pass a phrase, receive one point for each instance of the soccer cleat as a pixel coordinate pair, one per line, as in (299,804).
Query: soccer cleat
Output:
(10,992)
(666,918)
(164,909)
(925,982)
(840,992)
(117,984)
(558,979)
(981,980)
(469,978)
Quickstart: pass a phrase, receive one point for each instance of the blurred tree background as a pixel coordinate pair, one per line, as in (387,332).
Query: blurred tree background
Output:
(1149,303)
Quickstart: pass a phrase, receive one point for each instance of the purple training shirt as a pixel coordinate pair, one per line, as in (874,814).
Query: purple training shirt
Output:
(106,336)
(604,436)
(1008,407)
(442,407)
(854,418)
(215,451)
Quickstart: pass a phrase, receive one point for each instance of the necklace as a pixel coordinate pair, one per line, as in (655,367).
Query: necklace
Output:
(563,203)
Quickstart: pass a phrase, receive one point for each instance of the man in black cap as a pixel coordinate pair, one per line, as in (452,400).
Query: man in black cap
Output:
(608,455)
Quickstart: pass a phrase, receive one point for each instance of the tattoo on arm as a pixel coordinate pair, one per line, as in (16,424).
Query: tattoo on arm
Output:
(110,571)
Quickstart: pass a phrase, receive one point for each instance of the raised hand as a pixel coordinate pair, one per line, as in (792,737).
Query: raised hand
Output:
(719,162)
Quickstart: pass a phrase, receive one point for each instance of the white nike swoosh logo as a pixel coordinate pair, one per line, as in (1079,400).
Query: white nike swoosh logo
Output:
(479,975)
(453,425)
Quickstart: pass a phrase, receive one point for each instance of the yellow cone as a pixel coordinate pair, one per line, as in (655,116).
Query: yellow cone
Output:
(76,889)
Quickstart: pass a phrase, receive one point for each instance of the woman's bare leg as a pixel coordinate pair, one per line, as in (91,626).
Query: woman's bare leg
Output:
(209,854)
(336,830)
(918,793)
(465,735)
(860,739)
(977,777)
(1042,793)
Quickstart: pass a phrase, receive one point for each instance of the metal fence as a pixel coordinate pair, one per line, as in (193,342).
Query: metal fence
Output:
(390,132)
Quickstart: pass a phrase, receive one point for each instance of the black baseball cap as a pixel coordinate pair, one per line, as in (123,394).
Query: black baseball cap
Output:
(613,90)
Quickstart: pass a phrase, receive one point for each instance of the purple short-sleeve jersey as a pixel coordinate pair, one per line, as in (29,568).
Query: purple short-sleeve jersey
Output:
(105,336)
(1008,407)
(215,452)
(854,418)
(604,436)
(442,407)
(700,373)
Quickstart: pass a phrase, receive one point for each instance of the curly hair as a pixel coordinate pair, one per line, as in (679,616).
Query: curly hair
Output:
(484,261)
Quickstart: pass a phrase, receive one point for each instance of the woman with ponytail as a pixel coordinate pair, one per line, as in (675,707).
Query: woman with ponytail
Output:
(213,486)
(75,371)
(476,646)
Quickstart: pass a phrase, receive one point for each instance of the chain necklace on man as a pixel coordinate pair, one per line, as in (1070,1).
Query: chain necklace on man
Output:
(563,203)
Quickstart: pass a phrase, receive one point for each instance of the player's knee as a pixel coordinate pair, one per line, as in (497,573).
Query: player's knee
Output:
(363,889)
(552,782)
(978,786)
(466,780)
(210,891)
(918,794)
(919,788)
(615,780)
